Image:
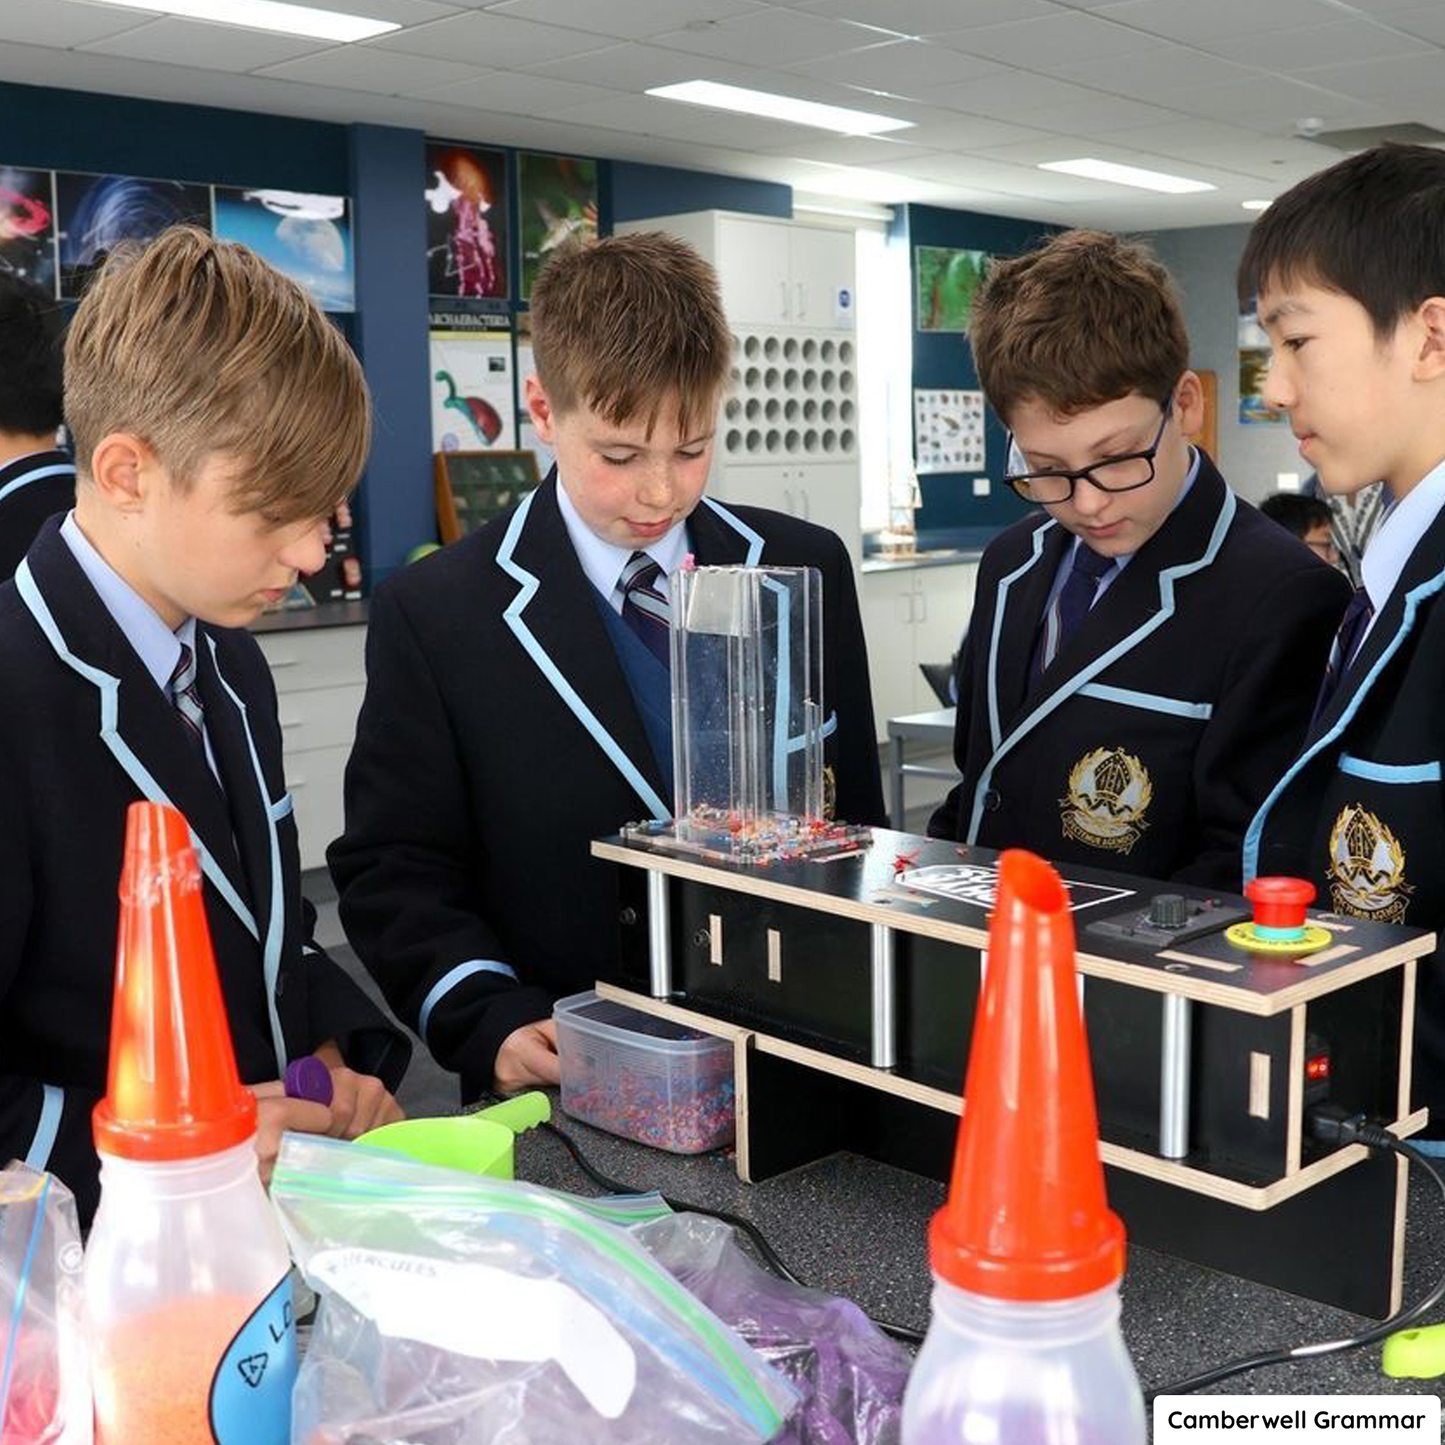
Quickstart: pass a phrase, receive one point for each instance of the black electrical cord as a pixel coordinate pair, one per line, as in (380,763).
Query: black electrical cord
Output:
(1331,1125)
(759,1240)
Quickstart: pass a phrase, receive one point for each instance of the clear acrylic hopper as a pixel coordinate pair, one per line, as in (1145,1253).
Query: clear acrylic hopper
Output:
(748,720)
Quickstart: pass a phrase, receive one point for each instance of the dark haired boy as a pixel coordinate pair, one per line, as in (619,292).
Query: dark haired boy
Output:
(518,695)
(1348,268)
(1307,518)
(36,479)
(1145,648)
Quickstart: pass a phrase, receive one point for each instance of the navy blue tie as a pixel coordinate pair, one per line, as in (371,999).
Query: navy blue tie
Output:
(1072,604)
(645,607)
(1351,633)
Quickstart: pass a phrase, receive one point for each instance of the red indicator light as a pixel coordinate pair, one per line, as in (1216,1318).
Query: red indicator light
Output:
(1318,1068)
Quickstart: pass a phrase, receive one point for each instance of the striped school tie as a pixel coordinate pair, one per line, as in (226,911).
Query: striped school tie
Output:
(187,700)
(645,608)
(1353,626)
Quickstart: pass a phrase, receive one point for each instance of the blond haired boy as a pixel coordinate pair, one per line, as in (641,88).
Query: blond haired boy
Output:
(518,701)
(218,419)
(1145,647)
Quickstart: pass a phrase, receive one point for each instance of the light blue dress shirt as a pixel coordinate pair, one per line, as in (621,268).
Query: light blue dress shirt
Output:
(603,561)
(1398,535)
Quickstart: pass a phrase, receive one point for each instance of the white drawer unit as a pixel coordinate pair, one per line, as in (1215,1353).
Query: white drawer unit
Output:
(320,676)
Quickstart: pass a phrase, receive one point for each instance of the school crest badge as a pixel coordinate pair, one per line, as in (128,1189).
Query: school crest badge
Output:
(1367,868)
(1109,793)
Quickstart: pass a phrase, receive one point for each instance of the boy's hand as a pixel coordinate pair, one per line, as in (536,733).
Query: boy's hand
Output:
(359,1102)
(275,1114)
(527,1059)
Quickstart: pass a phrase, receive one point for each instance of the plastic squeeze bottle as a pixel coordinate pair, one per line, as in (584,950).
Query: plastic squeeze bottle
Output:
(1024,1346)
(188,1304)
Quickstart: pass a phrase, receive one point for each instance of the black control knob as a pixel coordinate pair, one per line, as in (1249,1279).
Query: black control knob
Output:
(1168,910)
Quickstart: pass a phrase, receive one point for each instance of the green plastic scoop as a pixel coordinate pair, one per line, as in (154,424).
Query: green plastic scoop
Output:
(479,1143)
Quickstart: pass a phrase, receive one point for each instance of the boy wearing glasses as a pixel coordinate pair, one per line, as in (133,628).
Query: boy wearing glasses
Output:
(1146,648)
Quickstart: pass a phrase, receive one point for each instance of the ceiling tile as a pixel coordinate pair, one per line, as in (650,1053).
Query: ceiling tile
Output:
(633,68)
(899,66)
(643,113)
(404,12)
(950,131)
(1276,102)
(1313,45)
(850,150)
(1391,83)
(211,47)
(1428,24)
(1194,22)
(57,22)
(1280,158)
(1153,76)
(364,67)
(782,37)
(1065,36)
(511,92)
(1008,95)
(492,40)
(742,132)
(625,19)
(929,17)
(1101,116)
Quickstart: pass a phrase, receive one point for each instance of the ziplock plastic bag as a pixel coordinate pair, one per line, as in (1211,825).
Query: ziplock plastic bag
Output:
(458,1309)
(44,1377)
(850,1373)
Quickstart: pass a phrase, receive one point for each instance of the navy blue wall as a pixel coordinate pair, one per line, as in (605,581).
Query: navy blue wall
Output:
(950,511)
(69,130)
(639,191)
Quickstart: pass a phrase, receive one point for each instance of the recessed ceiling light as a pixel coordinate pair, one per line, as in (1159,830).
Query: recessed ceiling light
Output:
(779,107)
(1255,205)
(268,15)
(1127,176)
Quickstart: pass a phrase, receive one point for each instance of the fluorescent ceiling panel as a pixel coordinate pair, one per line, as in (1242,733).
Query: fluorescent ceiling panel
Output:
(268,15)
(761,103)
(1136,176)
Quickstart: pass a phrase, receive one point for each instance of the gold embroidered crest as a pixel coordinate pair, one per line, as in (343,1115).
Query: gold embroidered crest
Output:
(830,792)
(1367,868)
(1109,793)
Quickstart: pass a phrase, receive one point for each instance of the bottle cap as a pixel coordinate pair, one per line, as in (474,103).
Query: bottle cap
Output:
(308,1078)
(1026,1217)
(173,1090)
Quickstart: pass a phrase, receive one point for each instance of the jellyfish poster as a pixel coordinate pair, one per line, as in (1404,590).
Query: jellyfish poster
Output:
(306,237)
(27,227)
(96,213)
(466,221)
(559,202)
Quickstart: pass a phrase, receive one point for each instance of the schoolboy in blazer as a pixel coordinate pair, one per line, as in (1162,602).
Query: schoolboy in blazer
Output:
(511,713)
(1145,648)
(1349,272)
(127,673)
(36,480)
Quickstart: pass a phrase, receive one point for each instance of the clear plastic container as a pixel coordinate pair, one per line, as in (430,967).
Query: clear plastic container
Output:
(1020,1373)
(189,1305)
(642,1077)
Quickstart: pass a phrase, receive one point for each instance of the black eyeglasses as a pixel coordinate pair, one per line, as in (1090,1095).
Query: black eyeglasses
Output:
(1113,474)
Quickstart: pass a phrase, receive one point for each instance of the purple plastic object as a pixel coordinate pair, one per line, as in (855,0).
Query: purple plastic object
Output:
(308,1078)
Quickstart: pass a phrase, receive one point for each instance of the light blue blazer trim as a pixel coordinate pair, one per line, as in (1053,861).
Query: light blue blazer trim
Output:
(1167,578)
(1149,701)
(135,770)
(1390,772)
(276,922)
(52,1106)
(1255,832)
(827,731)
(449,980)
(283,807)
(56,469)
(752,538)
(512,616)
(995,727)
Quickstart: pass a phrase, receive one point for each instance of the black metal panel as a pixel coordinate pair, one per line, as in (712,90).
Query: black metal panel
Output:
(937,999)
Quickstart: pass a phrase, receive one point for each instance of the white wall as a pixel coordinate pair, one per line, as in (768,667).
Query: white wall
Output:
(1203,261)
